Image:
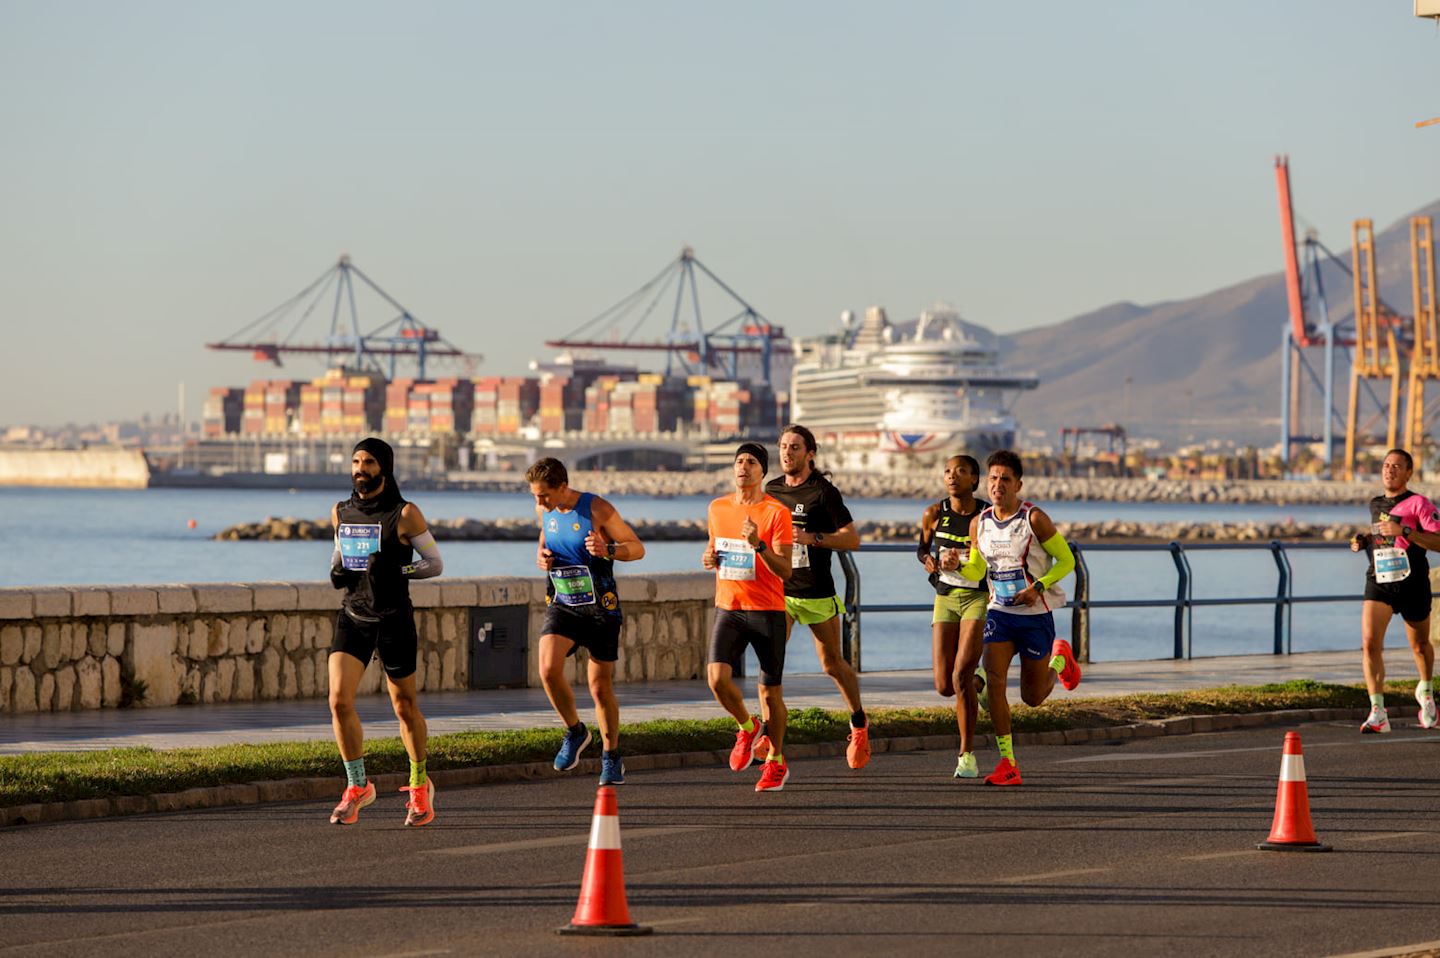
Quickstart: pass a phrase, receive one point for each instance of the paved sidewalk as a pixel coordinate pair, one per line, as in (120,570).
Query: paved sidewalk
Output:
(304,719)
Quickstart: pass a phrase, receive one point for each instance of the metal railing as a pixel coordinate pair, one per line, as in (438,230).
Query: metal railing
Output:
(1081,604)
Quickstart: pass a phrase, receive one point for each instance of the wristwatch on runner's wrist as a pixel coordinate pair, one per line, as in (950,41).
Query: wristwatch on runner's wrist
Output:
(610,550)
(1406,530)
(760,547)
(819,538)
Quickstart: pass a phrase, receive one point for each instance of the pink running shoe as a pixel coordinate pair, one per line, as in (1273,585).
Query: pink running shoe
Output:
(420,809)
(354,799)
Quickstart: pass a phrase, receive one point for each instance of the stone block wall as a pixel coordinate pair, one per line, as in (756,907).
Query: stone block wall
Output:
(84,647)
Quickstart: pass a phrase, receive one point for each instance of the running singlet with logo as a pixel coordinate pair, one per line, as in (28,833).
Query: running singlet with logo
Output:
(815,506)
(742,579)
(1395,561)
(952,531)
(1015,560)
(365,528)
(578,582)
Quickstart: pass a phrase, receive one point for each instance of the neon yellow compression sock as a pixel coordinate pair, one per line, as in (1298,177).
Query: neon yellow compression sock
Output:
(1006,747)
(417,773)
(748,725)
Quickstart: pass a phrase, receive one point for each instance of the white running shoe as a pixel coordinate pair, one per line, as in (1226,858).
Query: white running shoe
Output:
(1378,723)
(1428,716)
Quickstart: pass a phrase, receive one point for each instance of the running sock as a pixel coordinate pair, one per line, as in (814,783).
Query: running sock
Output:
(1006,747)
(607,753)
(748,725)
(355,772)
(1423,688)
(1377,701)
(417,773)
(776,757)
(857,719)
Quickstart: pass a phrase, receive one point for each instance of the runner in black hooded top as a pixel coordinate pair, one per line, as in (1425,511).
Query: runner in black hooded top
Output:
(376,536)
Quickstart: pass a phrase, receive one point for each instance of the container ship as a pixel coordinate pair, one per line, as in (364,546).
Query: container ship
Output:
(880,395)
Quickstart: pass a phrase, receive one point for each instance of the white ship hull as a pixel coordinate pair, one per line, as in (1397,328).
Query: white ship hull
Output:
(878,402)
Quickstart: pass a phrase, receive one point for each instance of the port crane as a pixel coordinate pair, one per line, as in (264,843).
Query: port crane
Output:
(272,335)
(1377,341)
(687,343)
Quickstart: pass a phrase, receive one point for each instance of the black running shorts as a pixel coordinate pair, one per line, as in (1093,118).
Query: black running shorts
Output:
(1410,602)
(598,635)
(394,636)
(762,631)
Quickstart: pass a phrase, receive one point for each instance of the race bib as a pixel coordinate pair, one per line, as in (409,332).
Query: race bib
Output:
(1006,585)
(357,541)
(800,557)
(737,559)
(1391,565)
(573,585)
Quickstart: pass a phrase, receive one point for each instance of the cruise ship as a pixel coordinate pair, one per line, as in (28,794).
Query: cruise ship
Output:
(879,395)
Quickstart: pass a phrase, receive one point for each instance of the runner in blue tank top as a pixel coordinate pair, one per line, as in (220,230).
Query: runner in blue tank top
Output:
(581,538)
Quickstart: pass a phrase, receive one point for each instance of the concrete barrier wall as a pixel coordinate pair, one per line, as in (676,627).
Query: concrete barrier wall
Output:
(83,648)
(93,468)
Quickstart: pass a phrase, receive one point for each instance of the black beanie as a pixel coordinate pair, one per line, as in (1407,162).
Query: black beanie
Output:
(758,451)
(385,456)
(382,452)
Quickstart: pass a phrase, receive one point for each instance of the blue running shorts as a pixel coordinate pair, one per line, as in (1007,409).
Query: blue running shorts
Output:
(1032,635)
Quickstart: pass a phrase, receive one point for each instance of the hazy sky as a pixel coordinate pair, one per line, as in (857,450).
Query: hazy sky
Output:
(171,171)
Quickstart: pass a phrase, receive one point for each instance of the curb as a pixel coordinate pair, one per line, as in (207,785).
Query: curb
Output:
(311,789)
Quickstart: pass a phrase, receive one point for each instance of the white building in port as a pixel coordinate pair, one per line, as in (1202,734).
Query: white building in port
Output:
(887,396)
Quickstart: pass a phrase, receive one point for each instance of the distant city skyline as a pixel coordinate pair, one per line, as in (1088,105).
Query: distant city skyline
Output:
(170,172)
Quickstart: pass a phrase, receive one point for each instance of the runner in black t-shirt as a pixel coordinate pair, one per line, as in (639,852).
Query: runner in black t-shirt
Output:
(822,525)
(1403,524)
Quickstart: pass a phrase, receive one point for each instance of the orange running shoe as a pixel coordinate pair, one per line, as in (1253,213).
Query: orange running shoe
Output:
(857,753)
(773,778)
(1006,773)
(744,750)
(763,748)
(1062,659)
(354,799)
(420,809)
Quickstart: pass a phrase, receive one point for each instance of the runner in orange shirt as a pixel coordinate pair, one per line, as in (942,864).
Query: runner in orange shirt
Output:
(751,536)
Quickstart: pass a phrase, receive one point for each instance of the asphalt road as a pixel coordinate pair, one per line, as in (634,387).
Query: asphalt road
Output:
(1144,847)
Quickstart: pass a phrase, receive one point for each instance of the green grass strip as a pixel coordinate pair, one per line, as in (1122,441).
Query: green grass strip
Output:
(65,776)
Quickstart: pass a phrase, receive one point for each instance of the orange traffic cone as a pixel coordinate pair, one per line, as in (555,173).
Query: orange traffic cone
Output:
(602,909)
(1291,830)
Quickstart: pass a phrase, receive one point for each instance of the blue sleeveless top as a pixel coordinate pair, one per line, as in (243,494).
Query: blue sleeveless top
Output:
(578,582)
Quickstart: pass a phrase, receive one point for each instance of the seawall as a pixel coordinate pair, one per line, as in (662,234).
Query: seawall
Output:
(92,468)
(84,648)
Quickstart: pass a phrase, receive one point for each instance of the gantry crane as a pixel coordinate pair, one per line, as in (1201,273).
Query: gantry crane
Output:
(1425,354)
(401,337)
(687,343)
(1377,347)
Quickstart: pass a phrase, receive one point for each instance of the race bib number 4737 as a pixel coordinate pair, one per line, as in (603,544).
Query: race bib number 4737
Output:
(737,559)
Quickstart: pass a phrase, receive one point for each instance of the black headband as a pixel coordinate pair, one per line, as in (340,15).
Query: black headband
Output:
(756,450)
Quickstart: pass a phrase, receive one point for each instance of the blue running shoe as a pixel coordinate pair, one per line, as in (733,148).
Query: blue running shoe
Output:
(569,755)
(612,770)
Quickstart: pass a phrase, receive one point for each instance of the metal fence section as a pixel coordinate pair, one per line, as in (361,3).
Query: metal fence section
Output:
(1082,604)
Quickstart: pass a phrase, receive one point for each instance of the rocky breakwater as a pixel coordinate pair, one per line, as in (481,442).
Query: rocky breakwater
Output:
(922,484)
(693,530)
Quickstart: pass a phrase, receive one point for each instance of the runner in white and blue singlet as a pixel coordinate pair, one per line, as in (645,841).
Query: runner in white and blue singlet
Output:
(1017,546)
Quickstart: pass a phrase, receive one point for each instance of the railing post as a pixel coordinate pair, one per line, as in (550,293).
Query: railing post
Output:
(1182,601)
(1282,598)
(850,622)
(1080,614)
